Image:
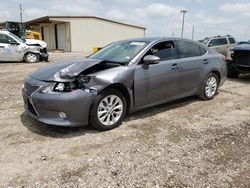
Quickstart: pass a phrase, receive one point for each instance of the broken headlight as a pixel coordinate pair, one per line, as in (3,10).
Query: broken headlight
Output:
(65,87)
(82,81)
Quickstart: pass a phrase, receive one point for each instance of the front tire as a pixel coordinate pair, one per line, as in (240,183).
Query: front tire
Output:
(108,110)
(210,87)
(31,57)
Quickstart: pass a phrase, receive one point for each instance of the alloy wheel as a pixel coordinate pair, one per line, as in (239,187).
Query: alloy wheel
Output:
(211,86)
(110,110)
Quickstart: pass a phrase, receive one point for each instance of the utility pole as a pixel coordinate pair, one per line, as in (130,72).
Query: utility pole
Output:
(21,12)
(173,34)
(183,21)
(193,33)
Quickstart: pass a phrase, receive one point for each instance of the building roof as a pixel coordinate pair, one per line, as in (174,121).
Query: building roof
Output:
(47,19)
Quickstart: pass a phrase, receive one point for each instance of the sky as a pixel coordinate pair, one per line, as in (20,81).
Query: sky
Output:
(160,17)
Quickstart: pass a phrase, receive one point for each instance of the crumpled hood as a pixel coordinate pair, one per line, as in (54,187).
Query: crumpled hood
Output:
(64,71)
(35,42)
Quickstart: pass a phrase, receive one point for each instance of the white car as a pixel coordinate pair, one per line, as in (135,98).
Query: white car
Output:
(12,48)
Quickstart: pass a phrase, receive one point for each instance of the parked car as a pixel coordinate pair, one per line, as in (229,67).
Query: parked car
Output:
(12,48)
(121,78)
(240,62)
(220,44)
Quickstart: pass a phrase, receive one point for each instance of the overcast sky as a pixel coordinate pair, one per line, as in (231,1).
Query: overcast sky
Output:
(161,18)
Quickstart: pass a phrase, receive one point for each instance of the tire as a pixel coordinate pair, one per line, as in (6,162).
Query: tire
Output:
(31,57)
(210,87)
(232,72)
(108,106)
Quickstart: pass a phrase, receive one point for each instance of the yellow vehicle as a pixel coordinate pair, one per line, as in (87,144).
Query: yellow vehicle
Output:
(33,35)
(19,29)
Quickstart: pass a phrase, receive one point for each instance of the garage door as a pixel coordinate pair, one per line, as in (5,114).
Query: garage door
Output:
(61,36)
(46,36)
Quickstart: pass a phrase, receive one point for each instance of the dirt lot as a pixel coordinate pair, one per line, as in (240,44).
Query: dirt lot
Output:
(187,143)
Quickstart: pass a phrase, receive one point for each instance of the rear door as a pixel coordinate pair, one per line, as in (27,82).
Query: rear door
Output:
(193,63)
(157,82)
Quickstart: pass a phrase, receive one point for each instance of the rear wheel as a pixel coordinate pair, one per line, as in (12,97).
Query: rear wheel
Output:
(232,72)
(31,57)
(210,87)
(108,110)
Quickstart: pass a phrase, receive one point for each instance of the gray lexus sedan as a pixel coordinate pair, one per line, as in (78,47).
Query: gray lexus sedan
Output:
(121,78)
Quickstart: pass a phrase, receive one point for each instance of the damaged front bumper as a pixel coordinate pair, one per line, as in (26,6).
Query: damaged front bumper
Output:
(44,56)
(64,109)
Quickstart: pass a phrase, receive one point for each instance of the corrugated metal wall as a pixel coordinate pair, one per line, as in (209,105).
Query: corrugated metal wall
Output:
(87,33)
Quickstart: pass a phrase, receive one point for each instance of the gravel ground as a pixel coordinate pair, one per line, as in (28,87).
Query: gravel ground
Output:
(186,143)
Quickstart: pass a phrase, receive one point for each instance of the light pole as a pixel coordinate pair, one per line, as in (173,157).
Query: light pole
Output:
(193,33)
(21,12)
(183,21)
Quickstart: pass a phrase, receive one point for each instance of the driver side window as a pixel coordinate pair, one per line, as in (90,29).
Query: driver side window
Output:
(163,50)
(4,39)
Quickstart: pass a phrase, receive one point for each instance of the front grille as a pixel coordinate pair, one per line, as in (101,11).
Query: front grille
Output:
(31,109)
(29,89)
(242,57)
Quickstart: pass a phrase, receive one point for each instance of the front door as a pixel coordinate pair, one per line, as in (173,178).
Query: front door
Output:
(157,82)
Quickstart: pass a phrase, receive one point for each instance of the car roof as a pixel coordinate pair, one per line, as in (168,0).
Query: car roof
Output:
(155,39)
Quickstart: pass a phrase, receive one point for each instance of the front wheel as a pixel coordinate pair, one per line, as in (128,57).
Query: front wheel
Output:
(210,87)
(31,57)
(108,110)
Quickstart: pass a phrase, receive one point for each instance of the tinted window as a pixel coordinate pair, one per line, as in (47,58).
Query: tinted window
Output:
(164,50)
(217,42)
(4,38)
(232,41)
(188,49)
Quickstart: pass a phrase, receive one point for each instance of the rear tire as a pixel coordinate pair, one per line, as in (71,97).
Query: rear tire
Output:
(108,110)
(232,72)
(31,57)
(210,87)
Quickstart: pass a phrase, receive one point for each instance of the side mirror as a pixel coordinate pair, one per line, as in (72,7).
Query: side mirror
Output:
(13,42)
(151,59)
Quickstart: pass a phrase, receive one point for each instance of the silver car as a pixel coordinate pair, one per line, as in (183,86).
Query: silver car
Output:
(121,78)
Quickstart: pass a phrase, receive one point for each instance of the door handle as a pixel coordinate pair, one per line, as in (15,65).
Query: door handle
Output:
(174,66)
(205,61)
(1,46)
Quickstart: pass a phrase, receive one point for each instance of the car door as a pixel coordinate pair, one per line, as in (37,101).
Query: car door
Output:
(157,82)
(9,52)
(192,66)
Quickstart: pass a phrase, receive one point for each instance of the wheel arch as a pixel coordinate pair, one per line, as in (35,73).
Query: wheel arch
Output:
(123,90)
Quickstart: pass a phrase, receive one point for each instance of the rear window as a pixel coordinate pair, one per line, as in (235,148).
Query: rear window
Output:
(232,40)
(217,42)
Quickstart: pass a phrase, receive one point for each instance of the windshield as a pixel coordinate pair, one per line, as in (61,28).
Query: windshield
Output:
(16,38)
(120,52)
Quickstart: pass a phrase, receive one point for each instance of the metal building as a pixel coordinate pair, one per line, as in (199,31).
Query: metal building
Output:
(82,33)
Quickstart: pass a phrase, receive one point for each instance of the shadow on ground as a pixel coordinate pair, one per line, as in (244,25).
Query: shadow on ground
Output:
(69,132)
(243,78)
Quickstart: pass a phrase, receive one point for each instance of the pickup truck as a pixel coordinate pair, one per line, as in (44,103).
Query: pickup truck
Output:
(240,62)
